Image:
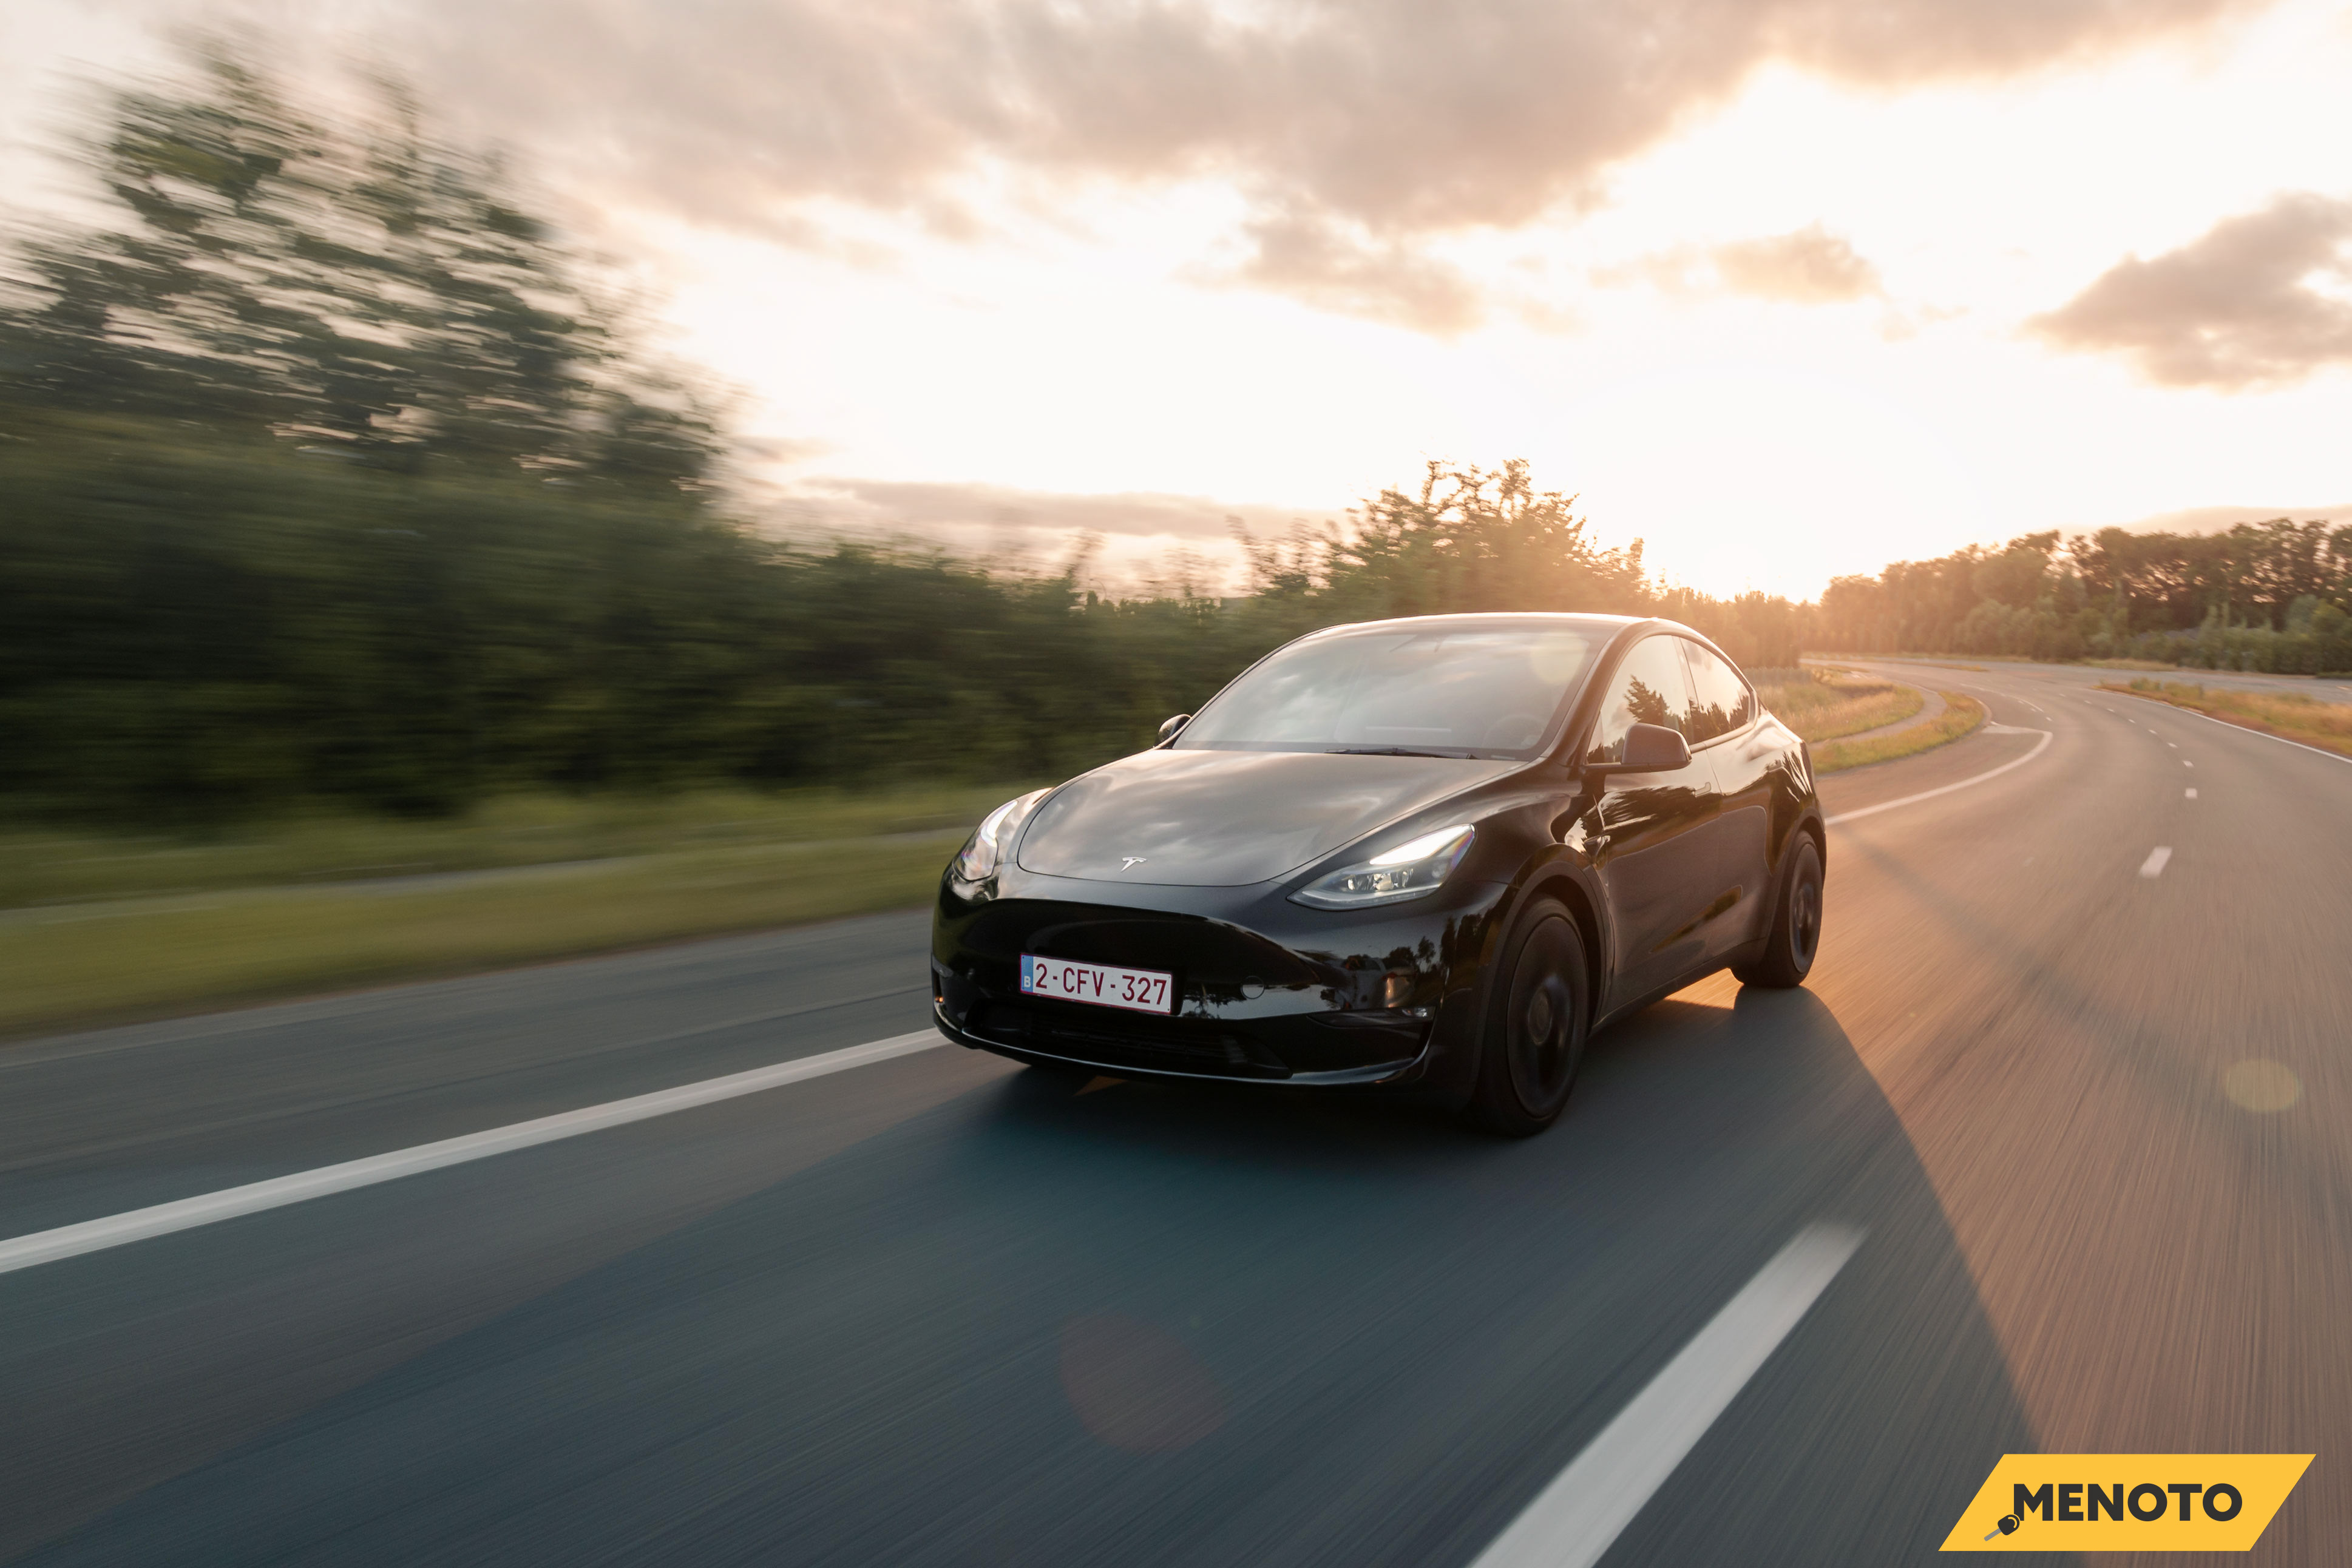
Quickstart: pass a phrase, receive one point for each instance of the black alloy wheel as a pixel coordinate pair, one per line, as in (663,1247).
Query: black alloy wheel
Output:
(1534,1041)
(1796,934)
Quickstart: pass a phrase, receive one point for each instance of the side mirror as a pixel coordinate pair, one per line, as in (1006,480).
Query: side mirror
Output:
(1649,749)
(1168,730)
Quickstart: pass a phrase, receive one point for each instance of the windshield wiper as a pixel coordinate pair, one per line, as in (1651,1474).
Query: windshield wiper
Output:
(1391,751)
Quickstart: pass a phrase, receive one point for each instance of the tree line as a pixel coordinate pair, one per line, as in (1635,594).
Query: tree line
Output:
(2260,596)
(326,472)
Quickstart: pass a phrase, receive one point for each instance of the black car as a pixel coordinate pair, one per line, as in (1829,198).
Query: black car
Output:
(1435,852)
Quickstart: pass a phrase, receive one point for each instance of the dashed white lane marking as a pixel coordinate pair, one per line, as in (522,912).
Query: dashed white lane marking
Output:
(2192,794)
(1572,1522)
(2154,865)
(2186,763)
(138,1224)
(2039,747)
(2174,744)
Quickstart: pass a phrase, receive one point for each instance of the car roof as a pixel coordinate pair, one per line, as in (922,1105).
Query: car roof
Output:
(1530,619)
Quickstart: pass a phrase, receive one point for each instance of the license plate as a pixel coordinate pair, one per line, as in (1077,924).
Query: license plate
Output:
(1137,990)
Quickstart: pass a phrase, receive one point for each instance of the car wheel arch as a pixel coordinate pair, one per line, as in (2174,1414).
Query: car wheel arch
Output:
(1811,826)
(1557,882)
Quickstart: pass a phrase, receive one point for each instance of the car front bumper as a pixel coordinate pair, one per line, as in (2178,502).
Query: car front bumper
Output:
(1267,991)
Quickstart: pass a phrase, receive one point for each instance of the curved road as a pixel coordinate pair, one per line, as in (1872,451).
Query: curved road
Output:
(2086,1105)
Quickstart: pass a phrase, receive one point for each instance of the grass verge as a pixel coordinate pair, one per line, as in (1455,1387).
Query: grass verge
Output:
(2290,715)
(98,929)
(1925,660)
(1832,703)
(111,963)
(54,865)
(1960,716)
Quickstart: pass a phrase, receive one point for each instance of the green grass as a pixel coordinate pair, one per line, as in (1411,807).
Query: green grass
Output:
(48,865)
(1931,661)
(1960,716)
(2288,715)
(230,920)
(1830,704)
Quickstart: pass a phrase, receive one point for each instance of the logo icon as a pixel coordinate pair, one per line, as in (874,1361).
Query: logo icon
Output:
(1131,861)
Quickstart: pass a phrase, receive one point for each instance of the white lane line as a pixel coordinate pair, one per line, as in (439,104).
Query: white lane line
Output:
(2039,747)
(2154,865)
(2174,744)
(2186,763)
(1572,1522)
(138,1224)
(2192,794)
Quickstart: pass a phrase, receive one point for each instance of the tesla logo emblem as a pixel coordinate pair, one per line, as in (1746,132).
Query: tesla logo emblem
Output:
(1130,861)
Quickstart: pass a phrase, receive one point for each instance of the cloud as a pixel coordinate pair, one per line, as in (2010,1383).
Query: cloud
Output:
(1810,266)
(1352,130)
(1311,259)
(908,507)
(1396,114)
(1135,542)
(2235,309)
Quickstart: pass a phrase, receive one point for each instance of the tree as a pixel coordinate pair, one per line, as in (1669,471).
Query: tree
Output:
(363,288)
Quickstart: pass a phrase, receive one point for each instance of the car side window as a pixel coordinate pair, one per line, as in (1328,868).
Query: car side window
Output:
(1651,687)
(1720,700)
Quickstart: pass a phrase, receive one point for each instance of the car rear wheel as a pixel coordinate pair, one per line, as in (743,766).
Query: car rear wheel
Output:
(1534,1041)
(1796,934)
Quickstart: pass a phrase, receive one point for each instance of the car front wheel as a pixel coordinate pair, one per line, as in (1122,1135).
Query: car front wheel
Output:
(1535,1042)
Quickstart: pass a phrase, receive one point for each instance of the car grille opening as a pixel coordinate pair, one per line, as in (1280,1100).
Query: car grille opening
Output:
(1168,1045)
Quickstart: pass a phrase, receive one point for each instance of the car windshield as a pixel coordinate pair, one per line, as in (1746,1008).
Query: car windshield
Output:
(1452,692)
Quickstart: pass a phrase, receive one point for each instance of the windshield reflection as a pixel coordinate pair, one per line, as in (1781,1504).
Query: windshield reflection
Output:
(1442,692)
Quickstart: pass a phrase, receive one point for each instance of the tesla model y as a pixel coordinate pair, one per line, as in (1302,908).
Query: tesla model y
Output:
(1436,852)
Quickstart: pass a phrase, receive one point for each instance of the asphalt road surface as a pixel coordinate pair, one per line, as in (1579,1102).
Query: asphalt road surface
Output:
(2085,1104)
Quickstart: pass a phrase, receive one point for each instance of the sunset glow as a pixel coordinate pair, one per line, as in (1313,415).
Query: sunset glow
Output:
(1796,305)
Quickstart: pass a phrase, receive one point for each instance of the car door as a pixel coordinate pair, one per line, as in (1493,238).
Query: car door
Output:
(1724,735)
(1650,855)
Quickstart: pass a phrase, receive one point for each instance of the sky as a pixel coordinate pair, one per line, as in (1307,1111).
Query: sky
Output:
(1784,288)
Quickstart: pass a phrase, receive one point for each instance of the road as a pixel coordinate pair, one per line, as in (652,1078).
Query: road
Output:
(937,1311)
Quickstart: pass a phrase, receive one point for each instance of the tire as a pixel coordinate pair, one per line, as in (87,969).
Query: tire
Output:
(1535,1033)
(1796,935)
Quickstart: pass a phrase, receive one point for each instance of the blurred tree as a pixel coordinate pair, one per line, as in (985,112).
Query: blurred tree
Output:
(364,287)
(1471,539)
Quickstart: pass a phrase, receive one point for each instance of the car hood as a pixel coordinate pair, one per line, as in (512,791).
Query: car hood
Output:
(1226,818)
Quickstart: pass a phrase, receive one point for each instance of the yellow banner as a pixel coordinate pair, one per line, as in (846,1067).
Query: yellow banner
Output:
(2126,1503)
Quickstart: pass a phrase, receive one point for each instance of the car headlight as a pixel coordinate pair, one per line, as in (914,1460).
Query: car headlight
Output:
(977,860)
(1408,871)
